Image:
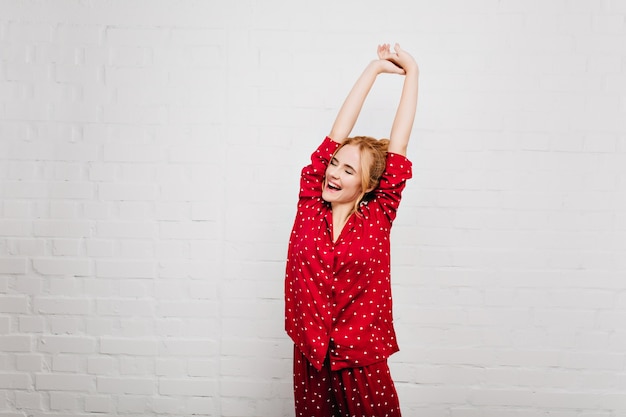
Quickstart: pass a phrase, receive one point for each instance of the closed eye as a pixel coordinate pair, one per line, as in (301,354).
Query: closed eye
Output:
(349,169)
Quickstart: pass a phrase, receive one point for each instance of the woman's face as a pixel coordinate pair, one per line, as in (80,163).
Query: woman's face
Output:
(343,177)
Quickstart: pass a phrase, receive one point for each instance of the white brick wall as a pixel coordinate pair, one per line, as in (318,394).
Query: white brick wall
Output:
(149,154)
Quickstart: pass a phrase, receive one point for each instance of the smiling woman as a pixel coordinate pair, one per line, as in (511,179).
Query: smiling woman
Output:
(342,182)
(367,157)
(338,307)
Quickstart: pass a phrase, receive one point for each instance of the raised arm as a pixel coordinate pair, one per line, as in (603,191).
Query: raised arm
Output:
(349,112)
(405,114)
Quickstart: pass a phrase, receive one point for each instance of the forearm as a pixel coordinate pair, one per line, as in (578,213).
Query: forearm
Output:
(405,114)
(349,112)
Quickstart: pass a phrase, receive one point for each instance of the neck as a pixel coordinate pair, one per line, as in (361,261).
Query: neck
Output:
(341,212)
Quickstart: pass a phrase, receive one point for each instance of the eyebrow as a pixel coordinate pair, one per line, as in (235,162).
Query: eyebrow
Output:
(347,165)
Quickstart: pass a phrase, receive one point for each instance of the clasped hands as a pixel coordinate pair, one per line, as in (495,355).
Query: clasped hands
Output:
(397,61)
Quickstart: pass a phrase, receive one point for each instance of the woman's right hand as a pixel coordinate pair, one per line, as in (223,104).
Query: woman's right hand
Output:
(400,59)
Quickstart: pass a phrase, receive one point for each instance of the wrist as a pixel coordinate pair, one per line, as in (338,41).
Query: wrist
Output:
(412,70)
(376,66)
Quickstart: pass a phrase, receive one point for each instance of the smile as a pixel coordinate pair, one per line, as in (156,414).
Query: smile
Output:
(333,186)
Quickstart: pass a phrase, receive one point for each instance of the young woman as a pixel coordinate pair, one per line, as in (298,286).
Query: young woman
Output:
(338,307)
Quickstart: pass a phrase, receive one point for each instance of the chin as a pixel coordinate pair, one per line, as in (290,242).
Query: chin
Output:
(327,198)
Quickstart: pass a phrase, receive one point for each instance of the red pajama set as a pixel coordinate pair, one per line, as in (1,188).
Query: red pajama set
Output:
(338,307)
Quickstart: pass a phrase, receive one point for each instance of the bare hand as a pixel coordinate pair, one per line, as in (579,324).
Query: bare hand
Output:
(399,58)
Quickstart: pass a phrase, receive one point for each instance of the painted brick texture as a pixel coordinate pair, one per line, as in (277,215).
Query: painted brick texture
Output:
(149,161)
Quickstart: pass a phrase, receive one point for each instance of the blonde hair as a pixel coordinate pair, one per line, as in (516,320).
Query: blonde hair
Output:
(373,154)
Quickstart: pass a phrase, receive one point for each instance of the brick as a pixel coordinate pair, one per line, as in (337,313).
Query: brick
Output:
(103,171)
(65,363)
(64,401)
(63,306)
(101,365)
(78,112)
(14,304)
(502,397)
(192,387)
(125,269)
(97,248)
(201,406)
(27,247)
(128,346)
(66,344)
(192,153)
(26,190)
(187,268)
(170,367)
(98,404)
(12,265)
(202,368)
(237,388)
(71,190)
(66,247)
(31,324)
(62,228)
(5,325)
(28,72)
(102,287)
(138,288)
(30,32)
(30,363)
(132,404)
(115,229)
(15,381)
(64,286)
(96,211)
(16,210)
(188,348)
(14,227)
(136,36)
(129,113)
(64,171)
(10,343)
(61,382)
(82,34)
(137,328)
(126,192)
(178,192)
(203,290)
(22,170)
(204,211)
(133,386)
(126,307)
(130,210)
(172,211)
(187,309)
(131,56)
(28,400)
(56,152)
(165,405)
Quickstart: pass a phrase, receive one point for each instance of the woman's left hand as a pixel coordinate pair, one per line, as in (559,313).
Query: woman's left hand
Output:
(399,58)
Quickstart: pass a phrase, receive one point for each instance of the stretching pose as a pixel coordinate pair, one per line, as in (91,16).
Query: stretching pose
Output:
(338,307)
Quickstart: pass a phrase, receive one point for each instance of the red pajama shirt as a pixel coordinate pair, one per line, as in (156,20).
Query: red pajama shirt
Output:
(338,295)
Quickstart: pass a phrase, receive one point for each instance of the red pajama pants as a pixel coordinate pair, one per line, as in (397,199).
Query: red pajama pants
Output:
(351,392)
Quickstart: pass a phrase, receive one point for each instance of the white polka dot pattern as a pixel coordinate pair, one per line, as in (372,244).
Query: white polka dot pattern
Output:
(338,295)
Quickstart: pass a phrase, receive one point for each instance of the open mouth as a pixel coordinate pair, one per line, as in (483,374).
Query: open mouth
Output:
(333,186)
